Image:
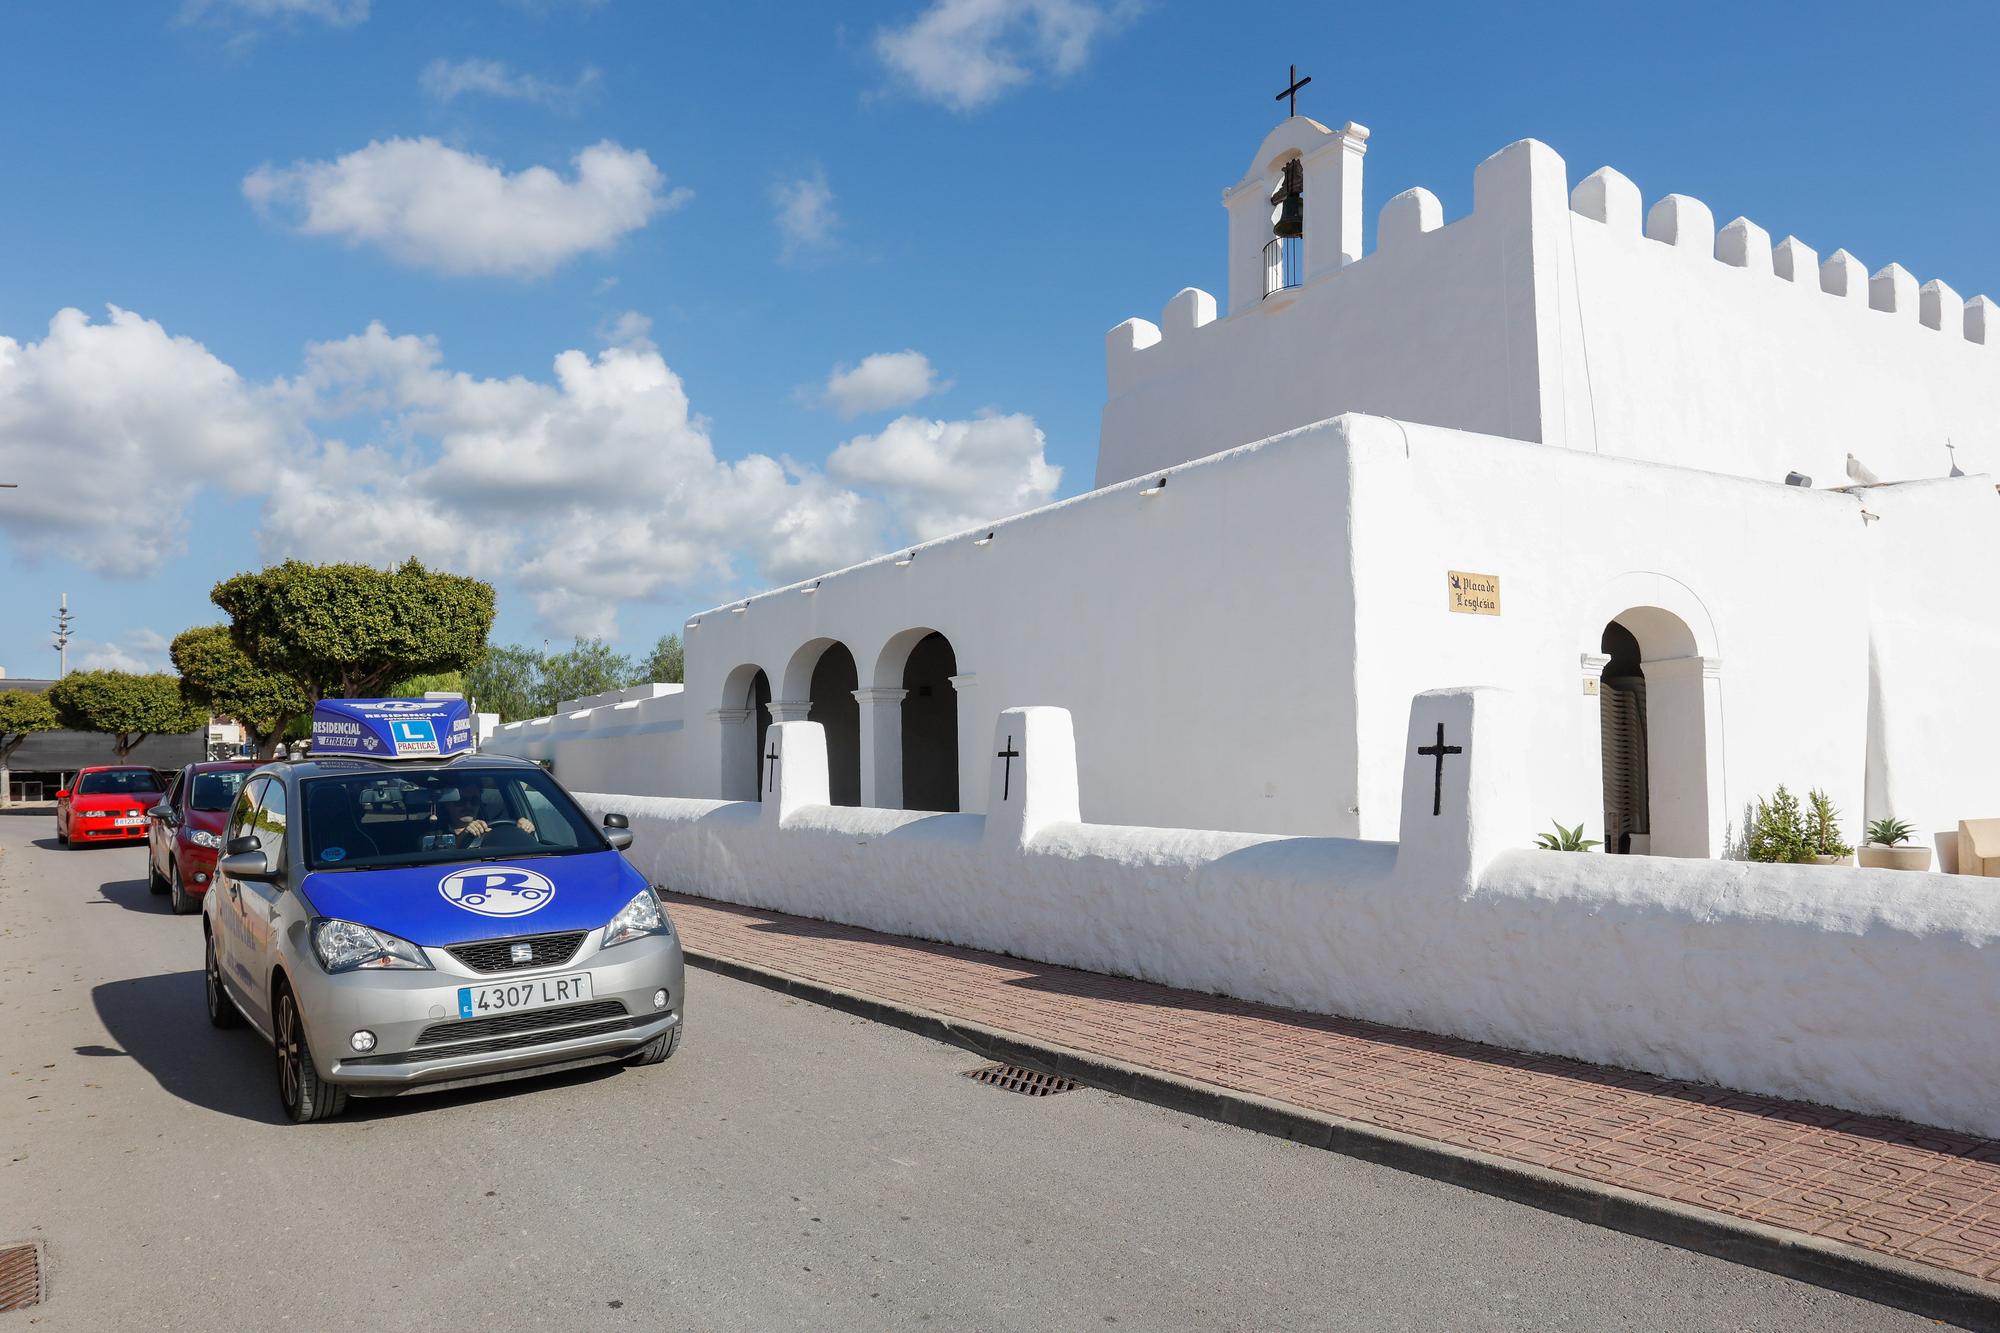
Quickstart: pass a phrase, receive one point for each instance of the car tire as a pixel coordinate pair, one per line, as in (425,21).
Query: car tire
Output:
(659,1048)
(305,1096)
(222,1012)
(154,883)
(184,903)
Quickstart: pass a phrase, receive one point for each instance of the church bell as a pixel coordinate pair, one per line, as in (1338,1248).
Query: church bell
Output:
(1290,200)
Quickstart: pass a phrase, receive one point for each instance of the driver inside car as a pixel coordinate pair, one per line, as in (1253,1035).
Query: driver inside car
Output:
(460,813)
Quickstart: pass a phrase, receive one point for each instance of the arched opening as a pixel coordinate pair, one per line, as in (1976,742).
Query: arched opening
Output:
(1622,733)
(831,693)
(1284,251)
(758,700)
(930,726)
(1660,724)
(741,710)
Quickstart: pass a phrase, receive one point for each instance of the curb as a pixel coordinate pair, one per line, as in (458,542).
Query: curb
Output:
(1917,1288)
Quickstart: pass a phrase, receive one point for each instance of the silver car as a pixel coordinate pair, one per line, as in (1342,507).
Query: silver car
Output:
(395,926)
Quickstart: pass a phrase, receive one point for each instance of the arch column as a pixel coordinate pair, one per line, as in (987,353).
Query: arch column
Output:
(1689,805)
(789,710)
(736,779)
(881,746)
(1591,733)
(971,763)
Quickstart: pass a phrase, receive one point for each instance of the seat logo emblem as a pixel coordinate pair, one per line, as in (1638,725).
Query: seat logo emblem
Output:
(521,953)
(497,891)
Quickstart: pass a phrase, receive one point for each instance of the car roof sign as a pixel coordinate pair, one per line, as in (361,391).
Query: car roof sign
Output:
(391,728)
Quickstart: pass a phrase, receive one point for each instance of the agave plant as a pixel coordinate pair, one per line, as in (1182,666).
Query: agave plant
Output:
(1886,832)
(1565,839)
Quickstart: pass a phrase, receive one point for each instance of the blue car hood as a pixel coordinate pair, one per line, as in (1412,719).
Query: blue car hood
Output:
(452,902)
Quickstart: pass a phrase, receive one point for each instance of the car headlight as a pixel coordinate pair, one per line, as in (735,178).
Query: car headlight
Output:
(343,946)
(201,837)
(640,917)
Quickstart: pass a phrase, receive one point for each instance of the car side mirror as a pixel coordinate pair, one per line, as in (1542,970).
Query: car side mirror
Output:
(251,865)
(62,793)
(162,812)
(618,831)
(246,842)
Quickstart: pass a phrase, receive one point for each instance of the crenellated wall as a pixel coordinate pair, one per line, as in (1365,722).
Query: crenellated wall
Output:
(1581,319)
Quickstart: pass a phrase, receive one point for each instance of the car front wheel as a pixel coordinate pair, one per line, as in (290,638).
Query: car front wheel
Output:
(183,901)
(305,1096)
(659,1048)
(221,1009)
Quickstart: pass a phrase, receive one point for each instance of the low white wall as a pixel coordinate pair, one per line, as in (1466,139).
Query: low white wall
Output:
(1870,990)
(612,743)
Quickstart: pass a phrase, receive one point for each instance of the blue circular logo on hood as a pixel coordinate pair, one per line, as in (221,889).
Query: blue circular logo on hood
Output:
(497,890)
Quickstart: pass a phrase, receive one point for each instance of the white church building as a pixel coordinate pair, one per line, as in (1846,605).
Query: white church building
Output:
(1700,502)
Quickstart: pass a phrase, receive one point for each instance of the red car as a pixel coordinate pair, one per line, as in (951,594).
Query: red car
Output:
(107,803)
(186,833)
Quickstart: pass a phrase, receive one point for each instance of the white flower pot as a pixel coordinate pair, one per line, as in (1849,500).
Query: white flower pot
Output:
(1903,856)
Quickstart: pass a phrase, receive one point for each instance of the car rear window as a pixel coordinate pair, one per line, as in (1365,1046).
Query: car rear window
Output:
(118,782)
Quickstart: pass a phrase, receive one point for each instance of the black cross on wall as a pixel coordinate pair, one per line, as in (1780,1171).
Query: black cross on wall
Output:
(771,765)
(1010,754)
(1438,751)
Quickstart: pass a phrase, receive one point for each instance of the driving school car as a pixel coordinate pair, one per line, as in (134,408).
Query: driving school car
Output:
(399,913)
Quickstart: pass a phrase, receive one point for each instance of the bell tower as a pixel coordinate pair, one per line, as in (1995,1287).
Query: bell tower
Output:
(1296,214)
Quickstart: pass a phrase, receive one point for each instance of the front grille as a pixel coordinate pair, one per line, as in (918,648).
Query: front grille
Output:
(471,1029)
(498,955)
(518,1041)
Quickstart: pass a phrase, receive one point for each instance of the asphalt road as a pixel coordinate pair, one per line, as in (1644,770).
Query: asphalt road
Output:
(791,1167)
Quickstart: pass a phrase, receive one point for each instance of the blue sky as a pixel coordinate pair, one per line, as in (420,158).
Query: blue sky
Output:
(634,307)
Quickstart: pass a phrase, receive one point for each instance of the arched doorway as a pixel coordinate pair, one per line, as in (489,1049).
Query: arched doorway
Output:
(759,703)
(1660,735)
(831,693)
(1622,740)
(930,726)
(744,716)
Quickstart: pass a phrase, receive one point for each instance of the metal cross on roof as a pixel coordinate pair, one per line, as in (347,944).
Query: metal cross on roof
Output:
(1293,91)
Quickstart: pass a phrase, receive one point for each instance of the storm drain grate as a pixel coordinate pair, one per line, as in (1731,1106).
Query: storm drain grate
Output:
(20,1277)
(1028,1082)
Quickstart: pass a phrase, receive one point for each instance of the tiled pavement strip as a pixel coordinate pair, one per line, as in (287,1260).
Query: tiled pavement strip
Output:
(1888,1187)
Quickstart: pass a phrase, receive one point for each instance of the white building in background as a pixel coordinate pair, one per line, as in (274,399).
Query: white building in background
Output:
(1544,446)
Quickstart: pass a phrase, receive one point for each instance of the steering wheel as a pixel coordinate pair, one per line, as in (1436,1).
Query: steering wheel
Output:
(495,825)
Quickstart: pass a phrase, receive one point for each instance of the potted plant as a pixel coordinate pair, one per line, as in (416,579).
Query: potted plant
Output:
(1828,848)
(1777,831)
(1889,847)
(1565,839)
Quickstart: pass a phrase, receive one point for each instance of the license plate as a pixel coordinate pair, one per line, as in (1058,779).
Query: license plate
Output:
(509,997)
(124,822)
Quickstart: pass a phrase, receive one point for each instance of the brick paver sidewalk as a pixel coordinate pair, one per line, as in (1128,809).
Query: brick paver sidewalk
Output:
(1887,1186)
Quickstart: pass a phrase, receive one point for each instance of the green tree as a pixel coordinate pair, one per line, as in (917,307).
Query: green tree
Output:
(217,677)
(665,665)
(507,681)
(124,706)
(588,666)
(350,631)
(22,713)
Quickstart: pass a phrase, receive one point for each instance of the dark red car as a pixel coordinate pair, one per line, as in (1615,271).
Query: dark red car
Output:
(186,833)
(107,803)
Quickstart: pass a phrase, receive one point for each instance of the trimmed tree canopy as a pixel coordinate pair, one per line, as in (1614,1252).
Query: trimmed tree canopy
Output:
(127,707)
(351,631)
(22,713)
(217,677)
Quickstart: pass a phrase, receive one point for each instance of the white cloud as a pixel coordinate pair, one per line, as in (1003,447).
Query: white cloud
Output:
(944,476)
(964,54)
(136,650)
(882,382)
(436,207)
(110,428)
(334,13)
(591,487)
(806,216)
(447,80)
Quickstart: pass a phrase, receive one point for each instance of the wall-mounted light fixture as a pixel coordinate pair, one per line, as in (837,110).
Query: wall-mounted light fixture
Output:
(905,558)
(811,588)
(693,624)
(1867,518)
(987,540)
(739,610)
(1797,479)
(1155,488)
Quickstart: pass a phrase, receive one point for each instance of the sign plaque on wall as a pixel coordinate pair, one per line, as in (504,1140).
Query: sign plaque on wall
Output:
(1475,594)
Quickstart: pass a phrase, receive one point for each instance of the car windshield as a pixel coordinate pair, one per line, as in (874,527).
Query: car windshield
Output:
(118,782)
(217,791)
(375,820)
